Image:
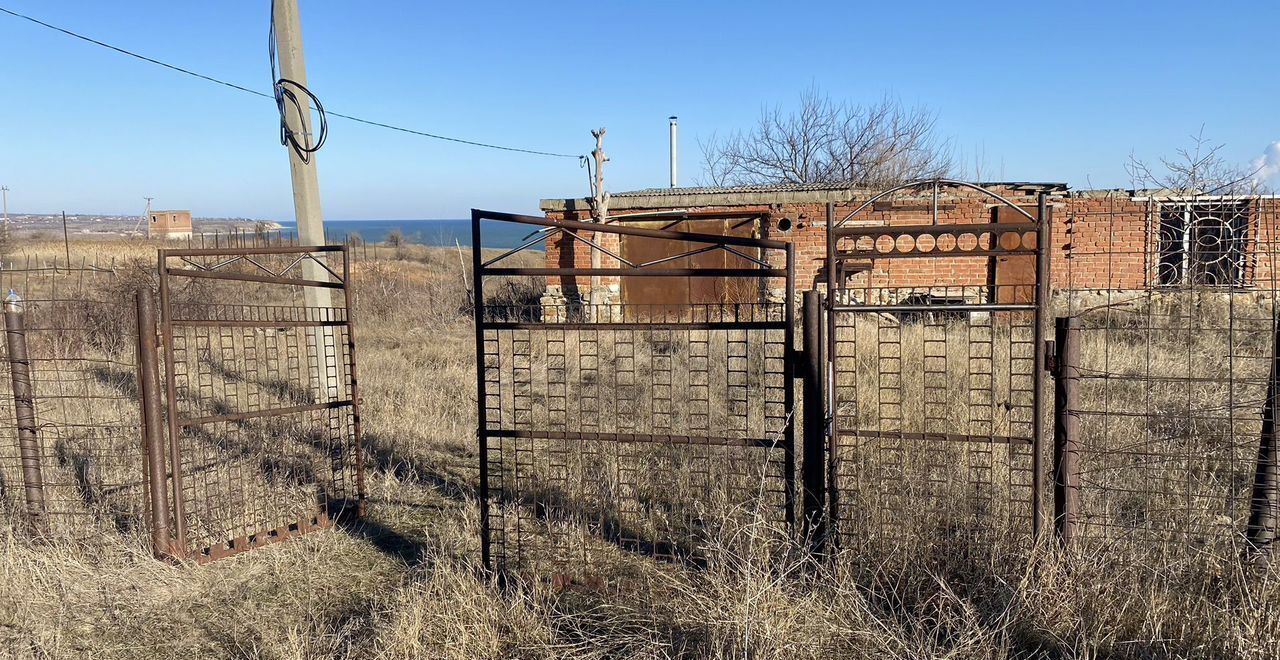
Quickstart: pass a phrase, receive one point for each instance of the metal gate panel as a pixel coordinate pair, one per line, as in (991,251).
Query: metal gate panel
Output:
(614,431)
(262,400)
(935,359)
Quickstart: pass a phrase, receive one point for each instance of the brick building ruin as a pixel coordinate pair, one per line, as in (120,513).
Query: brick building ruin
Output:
(169,225)
(1101,240)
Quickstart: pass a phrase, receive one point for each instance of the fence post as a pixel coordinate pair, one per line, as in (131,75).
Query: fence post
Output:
(1066,429)
(814,477)
(1263,503)
(24,408)
(157,473)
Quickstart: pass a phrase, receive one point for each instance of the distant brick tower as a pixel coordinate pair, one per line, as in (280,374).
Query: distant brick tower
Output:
(169,225)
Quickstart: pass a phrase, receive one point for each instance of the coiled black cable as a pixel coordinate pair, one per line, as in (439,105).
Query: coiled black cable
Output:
(287,97)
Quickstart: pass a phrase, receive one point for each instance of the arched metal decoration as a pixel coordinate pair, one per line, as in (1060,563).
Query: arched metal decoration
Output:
(935,355)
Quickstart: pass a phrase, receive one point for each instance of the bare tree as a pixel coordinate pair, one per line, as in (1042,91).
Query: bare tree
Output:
(1196,169)
(828,141)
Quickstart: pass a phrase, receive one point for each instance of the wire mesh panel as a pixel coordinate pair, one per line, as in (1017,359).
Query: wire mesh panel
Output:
(1176,306)
(611,431)
(262,396)
(935,389)
(71,457)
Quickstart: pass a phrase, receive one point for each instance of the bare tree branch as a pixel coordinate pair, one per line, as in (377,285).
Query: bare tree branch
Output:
(826,141)
(1197,169)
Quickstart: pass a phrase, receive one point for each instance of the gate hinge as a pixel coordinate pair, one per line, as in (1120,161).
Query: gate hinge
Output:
(1050,355)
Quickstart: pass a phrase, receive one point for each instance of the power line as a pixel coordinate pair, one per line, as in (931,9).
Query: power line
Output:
(255,92)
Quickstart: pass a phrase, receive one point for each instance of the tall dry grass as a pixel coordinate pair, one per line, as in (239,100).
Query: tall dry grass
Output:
(406,583)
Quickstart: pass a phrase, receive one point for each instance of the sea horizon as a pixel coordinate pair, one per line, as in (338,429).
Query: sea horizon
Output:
(426,231)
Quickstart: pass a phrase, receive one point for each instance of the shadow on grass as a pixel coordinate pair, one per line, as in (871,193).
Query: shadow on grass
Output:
(413,552)
(546,502)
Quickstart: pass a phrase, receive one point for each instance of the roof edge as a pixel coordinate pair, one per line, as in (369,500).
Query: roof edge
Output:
(703,199)
(636,200)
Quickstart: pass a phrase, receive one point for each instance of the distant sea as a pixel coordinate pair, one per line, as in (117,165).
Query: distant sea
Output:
(426,232)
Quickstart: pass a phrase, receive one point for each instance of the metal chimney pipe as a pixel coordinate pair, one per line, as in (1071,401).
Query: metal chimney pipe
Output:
(673,151)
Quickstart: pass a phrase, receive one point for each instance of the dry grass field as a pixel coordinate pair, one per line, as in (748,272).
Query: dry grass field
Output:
(406,583)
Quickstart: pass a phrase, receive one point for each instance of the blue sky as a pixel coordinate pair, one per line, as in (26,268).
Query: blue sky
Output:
(1047,93)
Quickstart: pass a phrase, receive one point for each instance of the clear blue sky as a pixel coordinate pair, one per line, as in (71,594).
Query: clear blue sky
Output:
(1045,93)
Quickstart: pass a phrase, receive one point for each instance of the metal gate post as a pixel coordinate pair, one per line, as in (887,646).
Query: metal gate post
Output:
(1265,499)
(157,473)
(1066,429)
(482,423)
(829,396)
(171,407)
(24,410)
(1043,296)
(789,393)
(815,427)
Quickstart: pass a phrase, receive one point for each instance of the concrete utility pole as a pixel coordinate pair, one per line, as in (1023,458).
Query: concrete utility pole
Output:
(599,213)
(146,217)
(302,167)
(306,188)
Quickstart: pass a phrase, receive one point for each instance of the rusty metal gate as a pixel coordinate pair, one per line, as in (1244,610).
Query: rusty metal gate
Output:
(261,396)
(611,431)
(935,315)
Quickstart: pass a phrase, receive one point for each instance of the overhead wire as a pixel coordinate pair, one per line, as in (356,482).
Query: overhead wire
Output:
(295,99)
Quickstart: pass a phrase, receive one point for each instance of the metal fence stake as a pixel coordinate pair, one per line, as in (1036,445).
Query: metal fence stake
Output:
(1263,503)
(815,426)
(1066,429)
(157,473)
(1043,296)
(24,411)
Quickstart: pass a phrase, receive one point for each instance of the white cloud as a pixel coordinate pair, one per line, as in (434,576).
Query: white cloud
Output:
(1267,166)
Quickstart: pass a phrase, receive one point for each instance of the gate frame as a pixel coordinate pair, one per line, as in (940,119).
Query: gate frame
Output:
(1039,307)
(177,547)
(482,268)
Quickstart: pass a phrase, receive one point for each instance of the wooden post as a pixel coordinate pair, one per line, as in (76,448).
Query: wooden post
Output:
(66,239)
(600,214)
(1066,430)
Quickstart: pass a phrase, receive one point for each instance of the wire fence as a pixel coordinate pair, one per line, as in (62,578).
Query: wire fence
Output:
(68,400)
(1175,303)
(1164,449)
(266,237)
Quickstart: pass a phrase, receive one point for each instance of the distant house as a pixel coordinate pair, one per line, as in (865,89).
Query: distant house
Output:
(1100,239)
(169,225)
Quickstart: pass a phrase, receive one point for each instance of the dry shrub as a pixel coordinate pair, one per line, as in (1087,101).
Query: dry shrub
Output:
(403,295)
(379,291)
(447,613)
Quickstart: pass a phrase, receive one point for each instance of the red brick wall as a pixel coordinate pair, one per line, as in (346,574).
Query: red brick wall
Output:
(1265,262)
(1099,240)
